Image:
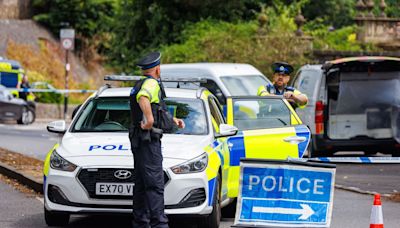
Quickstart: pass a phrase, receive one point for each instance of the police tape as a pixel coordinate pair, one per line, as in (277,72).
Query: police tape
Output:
(361,160)
(27,90)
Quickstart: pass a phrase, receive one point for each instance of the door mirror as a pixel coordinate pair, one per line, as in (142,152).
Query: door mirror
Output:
(58,126)
(227,130)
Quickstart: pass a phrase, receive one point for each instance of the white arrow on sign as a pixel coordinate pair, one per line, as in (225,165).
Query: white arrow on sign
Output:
(305,211)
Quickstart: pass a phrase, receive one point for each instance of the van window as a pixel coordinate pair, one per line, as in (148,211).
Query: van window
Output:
(244,85)
(306,82)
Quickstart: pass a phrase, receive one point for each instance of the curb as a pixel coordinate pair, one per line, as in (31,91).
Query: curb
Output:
(27,180)
(358,190)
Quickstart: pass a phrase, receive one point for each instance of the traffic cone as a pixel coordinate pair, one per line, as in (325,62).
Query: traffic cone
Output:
(376,213)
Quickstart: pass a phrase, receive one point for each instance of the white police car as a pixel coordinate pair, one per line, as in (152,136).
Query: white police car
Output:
(91,170)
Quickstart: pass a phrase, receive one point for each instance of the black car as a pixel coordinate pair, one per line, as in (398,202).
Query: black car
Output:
(15,109)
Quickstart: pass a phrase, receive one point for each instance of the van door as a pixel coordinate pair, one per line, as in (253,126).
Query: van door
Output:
(269,129)
(308,81)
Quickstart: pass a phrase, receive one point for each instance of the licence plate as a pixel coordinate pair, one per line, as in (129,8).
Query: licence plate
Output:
(119,189)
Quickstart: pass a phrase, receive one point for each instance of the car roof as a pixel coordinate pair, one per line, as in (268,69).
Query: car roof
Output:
(208,69)
(170,92)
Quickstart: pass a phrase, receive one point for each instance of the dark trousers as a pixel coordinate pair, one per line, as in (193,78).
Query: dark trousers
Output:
(148,199)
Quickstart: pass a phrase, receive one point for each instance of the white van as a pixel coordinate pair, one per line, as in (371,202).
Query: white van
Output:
(222,79)
(353,105)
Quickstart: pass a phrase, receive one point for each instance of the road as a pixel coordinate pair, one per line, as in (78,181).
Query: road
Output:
(32,140)
(21,210)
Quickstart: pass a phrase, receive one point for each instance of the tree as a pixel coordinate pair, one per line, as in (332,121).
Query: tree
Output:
(89,18)
(143,25)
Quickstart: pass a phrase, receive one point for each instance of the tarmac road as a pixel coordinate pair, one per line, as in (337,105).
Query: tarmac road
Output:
(32,140)
(20,210)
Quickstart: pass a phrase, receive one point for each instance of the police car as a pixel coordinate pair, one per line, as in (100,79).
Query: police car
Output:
(91,170)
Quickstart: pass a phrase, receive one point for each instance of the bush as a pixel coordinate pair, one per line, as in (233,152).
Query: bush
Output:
(242,42)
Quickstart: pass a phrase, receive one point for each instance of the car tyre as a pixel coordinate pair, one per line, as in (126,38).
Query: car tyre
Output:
(28,116)
(56,218)
(230,210)
(213,219)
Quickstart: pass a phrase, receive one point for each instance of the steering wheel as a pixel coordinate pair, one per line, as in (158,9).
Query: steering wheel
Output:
(111,125)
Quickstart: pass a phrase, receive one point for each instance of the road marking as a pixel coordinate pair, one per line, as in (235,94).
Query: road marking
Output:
(305,211)
(40,199)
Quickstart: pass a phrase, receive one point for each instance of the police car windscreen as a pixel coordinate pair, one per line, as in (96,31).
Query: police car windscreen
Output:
(252,114)
(110,114)
(244,85)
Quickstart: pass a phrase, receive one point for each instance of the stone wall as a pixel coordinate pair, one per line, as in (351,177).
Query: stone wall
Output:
(15,9)
(378,30)
(52,111)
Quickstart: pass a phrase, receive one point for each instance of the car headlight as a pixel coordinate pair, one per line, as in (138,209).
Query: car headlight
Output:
(196,165)
(59,163)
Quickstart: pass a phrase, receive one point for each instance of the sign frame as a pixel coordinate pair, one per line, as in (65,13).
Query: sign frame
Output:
(67,38)
(302,208)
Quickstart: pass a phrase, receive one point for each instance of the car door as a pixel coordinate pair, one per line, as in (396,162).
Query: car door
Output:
(9,110)
(220,143)
(269,128)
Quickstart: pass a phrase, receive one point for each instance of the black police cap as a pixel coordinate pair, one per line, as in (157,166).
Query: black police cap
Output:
(282,68)
(149,61)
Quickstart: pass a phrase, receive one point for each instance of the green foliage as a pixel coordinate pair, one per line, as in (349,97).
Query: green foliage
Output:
(154,23)
(88,18)
(49,98)
(242,42)
(343,39)
(337,13)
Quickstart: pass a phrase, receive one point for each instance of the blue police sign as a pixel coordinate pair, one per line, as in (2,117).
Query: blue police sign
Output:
(283,194)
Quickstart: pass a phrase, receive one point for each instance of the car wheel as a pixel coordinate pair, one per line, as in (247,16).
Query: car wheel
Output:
(56,218)
(213,219)
(28,116)
(230,210)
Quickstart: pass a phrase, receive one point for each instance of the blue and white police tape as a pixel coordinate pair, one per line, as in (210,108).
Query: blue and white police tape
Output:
(26,90)
(361,160)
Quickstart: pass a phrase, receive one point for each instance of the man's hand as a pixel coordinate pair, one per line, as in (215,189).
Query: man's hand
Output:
(179,123)
(298,99)
(146,125)
(289,96)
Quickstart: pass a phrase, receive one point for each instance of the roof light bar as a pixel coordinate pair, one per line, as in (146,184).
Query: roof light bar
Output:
(163,79)
(122,78)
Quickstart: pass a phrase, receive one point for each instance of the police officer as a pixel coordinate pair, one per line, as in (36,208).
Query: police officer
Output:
(145,100)
(281,77)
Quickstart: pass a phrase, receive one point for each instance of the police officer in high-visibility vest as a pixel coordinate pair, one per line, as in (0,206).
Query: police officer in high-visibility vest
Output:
(149,118)
(281,77)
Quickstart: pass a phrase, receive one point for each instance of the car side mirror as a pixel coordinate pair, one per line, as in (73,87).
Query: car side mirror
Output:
(226,130)
(58,126)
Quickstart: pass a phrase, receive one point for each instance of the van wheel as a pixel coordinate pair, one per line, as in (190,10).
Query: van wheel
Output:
(396,153)
(213,219)
(28,116)
(56,218)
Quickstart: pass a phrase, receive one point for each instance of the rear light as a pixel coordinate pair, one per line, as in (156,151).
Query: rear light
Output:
(319,117)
